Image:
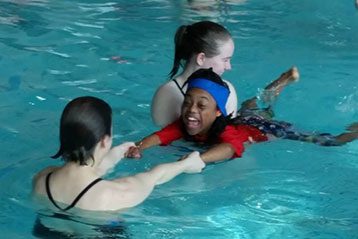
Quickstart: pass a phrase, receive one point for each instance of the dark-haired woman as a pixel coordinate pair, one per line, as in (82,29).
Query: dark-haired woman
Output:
(86,148)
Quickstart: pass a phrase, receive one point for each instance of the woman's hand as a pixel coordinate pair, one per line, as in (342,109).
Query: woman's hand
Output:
(194,164)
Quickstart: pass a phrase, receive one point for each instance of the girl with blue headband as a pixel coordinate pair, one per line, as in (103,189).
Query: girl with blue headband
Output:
(204,119)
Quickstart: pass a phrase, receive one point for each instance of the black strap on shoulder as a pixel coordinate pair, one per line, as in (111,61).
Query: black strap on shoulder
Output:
(82,193)
(49,195)
(181,89)
(76,199)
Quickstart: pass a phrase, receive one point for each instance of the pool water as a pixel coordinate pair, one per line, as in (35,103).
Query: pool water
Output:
(121,51)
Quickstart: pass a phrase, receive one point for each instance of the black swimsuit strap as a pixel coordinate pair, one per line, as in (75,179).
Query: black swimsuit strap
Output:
(83,192)
(49,195)
(76,199)
(181,89)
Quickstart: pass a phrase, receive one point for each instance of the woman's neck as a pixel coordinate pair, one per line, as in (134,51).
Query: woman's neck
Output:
(188,70)
(87,170)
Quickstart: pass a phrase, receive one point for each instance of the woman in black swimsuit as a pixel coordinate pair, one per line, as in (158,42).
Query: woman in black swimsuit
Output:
(85,146)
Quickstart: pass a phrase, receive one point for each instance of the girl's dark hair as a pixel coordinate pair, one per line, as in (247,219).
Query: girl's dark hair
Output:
(204,36)
(221,121)
(84,122)
(208,74)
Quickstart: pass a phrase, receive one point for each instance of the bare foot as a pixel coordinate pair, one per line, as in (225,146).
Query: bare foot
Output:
(353,127)
(286,78)
(273,89)
(347,137)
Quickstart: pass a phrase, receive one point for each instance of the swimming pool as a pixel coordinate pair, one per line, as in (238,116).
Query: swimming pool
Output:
(53,51)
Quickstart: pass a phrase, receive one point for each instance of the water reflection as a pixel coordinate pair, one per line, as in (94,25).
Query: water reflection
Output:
(63,225)
(214,10)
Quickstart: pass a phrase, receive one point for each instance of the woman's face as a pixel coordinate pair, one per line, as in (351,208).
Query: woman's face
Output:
(199,111)
(222,62)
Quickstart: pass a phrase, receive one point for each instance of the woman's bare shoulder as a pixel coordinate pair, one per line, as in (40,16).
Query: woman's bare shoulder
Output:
(166,87)
(119,194)
(38,180)
(47,170)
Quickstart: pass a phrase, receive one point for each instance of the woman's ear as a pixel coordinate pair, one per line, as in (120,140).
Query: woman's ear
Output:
(200,58)
(106,141)
(218,113)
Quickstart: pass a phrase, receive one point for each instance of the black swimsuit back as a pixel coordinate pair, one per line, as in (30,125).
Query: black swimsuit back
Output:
(79,196)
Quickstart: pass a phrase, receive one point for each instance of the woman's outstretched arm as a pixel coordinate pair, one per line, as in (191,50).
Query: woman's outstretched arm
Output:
(113,157)
(139,187)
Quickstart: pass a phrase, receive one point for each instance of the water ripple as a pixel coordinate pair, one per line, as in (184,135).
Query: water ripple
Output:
(88,25)
(349,103)
(79,82)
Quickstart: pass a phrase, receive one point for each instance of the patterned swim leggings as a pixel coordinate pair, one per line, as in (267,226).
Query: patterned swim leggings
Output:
(263,120)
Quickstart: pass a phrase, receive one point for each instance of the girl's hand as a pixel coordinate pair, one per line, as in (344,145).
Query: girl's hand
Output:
(133,152)
(121,150)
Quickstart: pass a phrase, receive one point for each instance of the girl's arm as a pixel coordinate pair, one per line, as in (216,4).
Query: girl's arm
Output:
(218,152)
(147,142)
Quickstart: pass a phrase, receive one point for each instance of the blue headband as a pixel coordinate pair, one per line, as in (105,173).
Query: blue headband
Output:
(218,92)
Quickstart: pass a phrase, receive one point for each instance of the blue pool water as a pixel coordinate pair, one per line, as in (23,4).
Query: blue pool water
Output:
(53,51)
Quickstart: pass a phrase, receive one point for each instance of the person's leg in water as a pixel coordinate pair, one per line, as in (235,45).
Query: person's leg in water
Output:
(275,87)
(271,91)
(323,139)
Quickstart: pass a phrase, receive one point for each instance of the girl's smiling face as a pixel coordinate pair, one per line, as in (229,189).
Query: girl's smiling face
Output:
(199,111)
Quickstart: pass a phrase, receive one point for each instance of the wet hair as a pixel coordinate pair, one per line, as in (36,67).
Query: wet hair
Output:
(84,122)
(221,121)
(204,36)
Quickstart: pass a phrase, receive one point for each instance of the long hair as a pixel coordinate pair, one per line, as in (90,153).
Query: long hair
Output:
(204,36)
(84,122)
